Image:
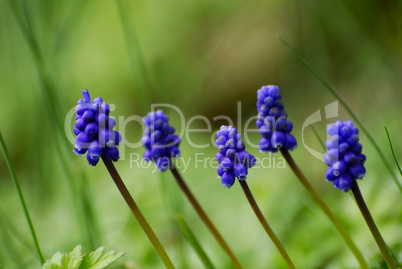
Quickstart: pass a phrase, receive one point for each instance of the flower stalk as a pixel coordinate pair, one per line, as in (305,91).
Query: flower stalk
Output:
(137,213)
(265,224)
(332,217)
(373,228)
(204,217)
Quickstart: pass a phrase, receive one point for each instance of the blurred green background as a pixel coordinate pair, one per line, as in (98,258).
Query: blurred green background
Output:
(203,57)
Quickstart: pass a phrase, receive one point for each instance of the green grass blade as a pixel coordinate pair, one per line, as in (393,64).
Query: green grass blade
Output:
(22,200)
(347,108)
(173,202)
(51,103)
(392,150)
(318,137)
(136,59)
(8,228)
(6,232)
(158,75)
(75,14)
(190,237)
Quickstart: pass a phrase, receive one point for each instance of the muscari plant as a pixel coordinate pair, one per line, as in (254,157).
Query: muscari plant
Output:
(234,162)
(161,147)
(95,135)
(346,164)
(343,181)
(275,131)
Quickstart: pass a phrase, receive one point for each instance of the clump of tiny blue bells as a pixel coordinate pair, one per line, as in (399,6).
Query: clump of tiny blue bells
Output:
(232,157)
(94,130)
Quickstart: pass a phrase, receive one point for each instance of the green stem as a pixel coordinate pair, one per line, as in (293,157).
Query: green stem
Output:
(204,217)
(347,108)
(392,150)
(137,213)
(22,200)
(373,228)
(318,199)
(265,224)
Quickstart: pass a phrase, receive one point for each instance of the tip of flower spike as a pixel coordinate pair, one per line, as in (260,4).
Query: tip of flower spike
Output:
(272,121)
(86,96)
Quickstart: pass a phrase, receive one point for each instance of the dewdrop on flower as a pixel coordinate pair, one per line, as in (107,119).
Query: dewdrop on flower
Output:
(274,128)
(233,160)
(344,155)
(94,130)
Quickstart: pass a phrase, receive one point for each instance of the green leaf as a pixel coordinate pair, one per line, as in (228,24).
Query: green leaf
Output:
(94,256)
(54,262)
(75,260)
(95,260)
(53,266)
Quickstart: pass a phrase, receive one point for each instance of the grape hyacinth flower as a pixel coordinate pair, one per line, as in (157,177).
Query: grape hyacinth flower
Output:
(94,130)
(233,160)
(272,121)
(159,140)
(95,135)
(160,146)
(346,164)
(344,156)
(275,131)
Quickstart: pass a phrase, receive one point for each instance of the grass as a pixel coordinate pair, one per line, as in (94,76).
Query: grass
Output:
(22,200)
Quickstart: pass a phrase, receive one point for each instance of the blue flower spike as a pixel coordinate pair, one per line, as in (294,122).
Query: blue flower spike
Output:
(233,160)
(272,121)
(159,140)
(94,130)
(344,155)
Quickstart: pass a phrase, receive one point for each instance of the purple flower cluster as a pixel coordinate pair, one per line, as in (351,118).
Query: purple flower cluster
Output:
(93,129)
(274,128)
(159,140)
(232,158)
(344,155)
